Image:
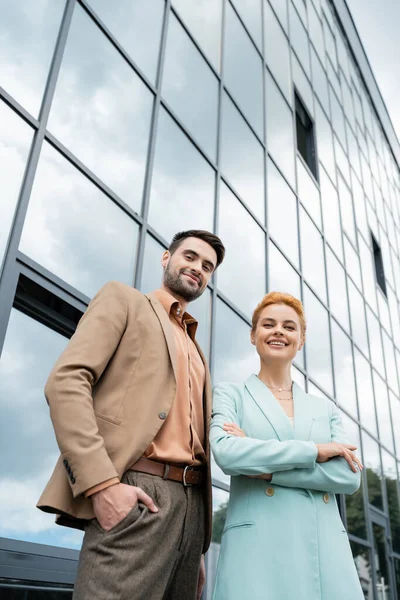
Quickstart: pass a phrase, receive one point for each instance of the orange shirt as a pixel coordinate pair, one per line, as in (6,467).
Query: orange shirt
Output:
(181,438)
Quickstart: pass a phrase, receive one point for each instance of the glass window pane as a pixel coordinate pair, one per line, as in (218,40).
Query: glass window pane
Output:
(367,268)
(74,230)
(298,377)
(277,52)
(28,441)
(235,357)
(337,289)
(281,11)
(280,130)
(346,207)
(111,137)
(190,87)
(325,142)
(308,192)
(373,470)
(137,27)
(359,206)
(341,160)
(330,43)
(316,32)
(299,39)
(312,255)
(344,370)
(204,22)
(357,314)
(318,342)
(242,159)
(250,12)
(28,33)
(352,262)
(245,254)
(366,402)
(183,183)
(282,276)
(303,86)
(243,71)
(15,141)
(220,505)
(375,342)
(395,411)
(383,587)
(337,117)
(391,479)
(362,559)
(383,411)
(390,362)
(355,512)
(354,153)
(282,213)
(331,214)
(320,82)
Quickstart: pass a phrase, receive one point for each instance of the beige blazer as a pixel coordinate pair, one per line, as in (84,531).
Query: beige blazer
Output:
(109,394)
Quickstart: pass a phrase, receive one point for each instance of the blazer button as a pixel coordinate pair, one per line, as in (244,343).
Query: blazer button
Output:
(270,491)
(162,416)
(326,498)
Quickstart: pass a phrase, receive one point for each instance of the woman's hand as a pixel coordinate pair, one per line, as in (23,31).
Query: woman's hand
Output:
(234,429)
(332,449)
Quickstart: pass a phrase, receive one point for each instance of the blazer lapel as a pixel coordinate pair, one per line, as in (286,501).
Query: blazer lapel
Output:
(303,413)
(270,407)
(166,327)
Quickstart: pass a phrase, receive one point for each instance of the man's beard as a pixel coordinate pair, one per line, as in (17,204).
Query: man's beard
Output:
(174,282)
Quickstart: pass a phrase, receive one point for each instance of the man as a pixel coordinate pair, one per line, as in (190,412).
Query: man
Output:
(130,402)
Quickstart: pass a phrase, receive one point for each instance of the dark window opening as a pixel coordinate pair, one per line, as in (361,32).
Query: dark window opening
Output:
(44,306)
(305,136)
(379,270)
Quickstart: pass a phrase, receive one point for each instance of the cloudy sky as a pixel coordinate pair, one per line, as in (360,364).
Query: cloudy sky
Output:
(378,27)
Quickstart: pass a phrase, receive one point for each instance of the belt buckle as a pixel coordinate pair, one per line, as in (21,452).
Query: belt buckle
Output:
(184,477)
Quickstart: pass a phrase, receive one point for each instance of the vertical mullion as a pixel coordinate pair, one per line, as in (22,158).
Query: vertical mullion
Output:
(9,279)
(151,149)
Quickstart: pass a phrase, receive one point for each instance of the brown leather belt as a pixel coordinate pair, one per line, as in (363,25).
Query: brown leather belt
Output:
(186,475)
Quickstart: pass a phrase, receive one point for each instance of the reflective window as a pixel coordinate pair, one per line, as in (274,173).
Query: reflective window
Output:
(301,9)
(355,512)
(382,569)
(333,78)
(344,370)
(341,160)
(282,213)
(337,289)
(362,560)
(394,314)
(390,362)
(391,478)
(330,43)
(315,30)
(346,207)
(282,276)
(28,441)
(359,207)
(368,274)
(366,403)
(190,87)
(357,314)
(242,159)
(235,356)
(242,279)
(182,189)
(354,154)
(101,110)
(277,52)
(220,505)
(375,342)
(313,389)
(312,255)
(85,238)
(352,262)
(281,11)
(395,411)
(303,86)
(320,82)
(204,22)
(28,33)
(299,39)
(325,142)
(250,12)
(308,192)
(280,130)
(15,141)
(243,71)
(348,104)
(137,27)
(317,344)
(331,213)
(372,470)
(383,411)
(337,117)
(342,54)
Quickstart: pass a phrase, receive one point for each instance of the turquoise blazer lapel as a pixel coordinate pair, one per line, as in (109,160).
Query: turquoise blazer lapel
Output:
(272,410)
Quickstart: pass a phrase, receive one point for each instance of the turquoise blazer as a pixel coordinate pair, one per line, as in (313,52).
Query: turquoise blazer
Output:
(284,539)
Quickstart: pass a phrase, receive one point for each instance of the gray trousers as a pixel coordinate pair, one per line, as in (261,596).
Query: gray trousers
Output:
(147,556)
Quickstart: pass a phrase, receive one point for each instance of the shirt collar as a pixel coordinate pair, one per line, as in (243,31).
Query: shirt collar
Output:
(174,309)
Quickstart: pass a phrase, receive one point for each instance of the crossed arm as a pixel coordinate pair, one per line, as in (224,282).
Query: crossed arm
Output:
(292,463)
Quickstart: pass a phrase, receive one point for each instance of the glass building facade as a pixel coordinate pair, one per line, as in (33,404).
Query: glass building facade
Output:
(259,120)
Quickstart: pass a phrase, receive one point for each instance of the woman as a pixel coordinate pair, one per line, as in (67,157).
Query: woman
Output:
(287,454)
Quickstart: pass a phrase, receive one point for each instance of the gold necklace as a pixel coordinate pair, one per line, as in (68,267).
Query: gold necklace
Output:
(291,398)
(279,389)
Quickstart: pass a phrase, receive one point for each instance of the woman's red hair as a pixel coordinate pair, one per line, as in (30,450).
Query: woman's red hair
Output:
(280,298)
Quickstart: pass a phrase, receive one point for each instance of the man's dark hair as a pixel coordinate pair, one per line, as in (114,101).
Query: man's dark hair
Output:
(206,236)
